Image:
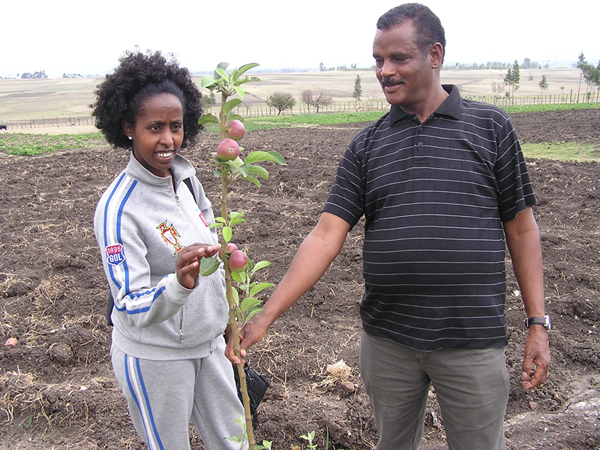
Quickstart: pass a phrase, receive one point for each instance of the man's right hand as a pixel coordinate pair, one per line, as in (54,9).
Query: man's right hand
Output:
(251,333)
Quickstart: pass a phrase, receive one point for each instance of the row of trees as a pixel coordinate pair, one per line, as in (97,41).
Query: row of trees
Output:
(323,68)
(313,98)
(589,73)
(496,65)
(39,74)
(512,81)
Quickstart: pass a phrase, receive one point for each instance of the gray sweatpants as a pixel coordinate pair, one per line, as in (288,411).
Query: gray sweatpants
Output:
(164,395)
(471,386)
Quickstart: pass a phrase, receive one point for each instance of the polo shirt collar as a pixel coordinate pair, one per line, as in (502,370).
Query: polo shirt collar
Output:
(451,107)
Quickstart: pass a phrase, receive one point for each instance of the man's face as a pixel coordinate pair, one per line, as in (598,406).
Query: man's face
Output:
(405,74)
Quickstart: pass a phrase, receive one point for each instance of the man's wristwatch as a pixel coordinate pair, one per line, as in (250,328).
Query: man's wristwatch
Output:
(545,321)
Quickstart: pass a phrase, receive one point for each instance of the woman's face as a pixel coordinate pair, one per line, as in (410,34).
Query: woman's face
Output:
(157,133)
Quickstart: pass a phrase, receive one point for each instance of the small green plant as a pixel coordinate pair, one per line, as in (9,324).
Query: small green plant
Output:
(231,166)
(310,438)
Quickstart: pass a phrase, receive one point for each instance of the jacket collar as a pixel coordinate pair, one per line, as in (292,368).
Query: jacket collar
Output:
(181,169)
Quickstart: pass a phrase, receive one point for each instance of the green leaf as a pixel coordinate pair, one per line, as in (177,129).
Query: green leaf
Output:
(208,118)
(259,156)
(260,287)
(243,169)
(222,76)
(277,158)
(234,116)
(237,162)
(227,234)
(246,67)
(240,91)
(207,81)
(220,71)
(230,105)
(236,215)
(215,225)
(249,80)
(243,276)
(260,171)
(252,313)
(253,179)
(261,265)
(237,277)
(249,303)
(236,297)
(218,172)
(236,221)
(208,266)
(220,219)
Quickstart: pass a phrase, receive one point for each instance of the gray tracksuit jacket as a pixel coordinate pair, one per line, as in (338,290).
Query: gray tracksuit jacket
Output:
(141,222)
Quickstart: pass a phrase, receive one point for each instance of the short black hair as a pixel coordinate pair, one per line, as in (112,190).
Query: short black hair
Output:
(121,96)
(428,26)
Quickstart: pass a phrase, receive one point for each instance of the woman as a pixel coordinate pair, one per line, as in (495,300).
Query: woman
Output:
(152,229)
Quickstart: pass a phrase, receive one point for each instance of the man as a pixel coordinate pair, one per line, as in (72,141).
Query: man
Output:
(443,185)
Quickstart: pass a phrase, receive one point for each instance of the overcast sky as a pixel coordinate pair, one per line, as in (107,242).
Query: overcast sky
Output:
(88,37)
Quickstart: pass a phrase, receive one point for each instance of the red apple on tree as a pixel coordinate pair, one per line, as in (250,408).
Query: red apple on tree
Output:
(236,130)
(230,249)
(228,149)
(238,261)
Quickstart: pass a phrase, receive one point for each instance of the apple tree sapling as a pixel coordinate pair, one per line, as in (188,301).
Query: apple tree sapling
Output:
(232,166)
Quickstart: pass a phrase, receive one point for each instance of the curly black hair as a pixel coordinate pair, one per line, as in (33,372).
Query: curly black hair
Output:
(121,96)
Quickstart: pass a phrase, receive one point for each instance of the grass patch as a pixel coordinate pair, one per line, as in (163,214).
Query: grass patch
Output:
(550,107)
(23,144)
(270,122)
(562,151)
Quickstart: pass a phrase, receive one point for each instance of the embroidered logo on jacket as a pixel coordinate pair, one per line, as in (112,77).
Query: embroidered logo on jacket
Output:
(202,218)
(170,235)
(114,254)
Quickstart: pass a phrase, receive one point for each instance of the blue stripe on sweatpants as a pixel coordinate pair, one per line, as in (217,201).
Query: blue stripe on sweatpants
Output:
(138,390)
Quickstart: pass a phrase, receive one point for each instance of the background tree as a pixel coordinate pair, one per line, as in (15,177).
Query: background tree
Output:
(306,96)
(316,98)
(512,79)
(209,100)
(357,93)
(280,101)
(589,73)
(582,66)
(543,84)
(497,89)
(322,67)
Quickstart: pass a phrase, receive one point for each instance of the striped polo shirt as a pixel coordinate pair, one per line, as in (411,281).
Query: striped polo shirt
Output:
(434,196)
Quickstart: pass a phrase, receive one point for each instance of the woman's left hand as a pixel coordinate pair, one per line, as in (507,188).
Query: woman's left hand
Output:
(187,265)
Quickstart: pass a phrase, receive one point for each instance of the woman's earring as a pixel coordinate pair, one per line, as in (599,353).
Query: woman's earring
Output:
(129,137)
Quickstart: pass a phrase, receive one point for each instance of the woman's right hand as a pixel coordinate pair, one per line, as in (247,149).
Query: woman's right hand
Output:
(187,265)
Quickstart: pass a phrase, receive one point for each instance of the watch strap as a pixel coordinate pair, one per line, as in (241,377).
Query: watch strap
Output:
(544,321)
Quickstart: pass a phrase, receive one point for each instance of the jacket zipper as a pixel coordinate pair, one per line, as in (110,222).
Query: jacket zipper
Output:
(211,281)
(181,325)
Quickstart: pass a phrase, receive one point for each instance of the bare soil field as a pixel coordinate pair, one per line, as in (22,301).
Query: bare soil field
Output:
(56,386)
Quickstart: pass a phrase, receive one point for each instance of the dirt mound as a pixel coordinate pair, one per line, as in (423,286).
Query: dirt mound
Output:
(56,385)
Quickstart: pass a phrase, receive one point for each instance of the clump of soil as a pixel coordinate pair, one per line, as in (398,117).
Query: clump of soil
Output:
(56,385)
